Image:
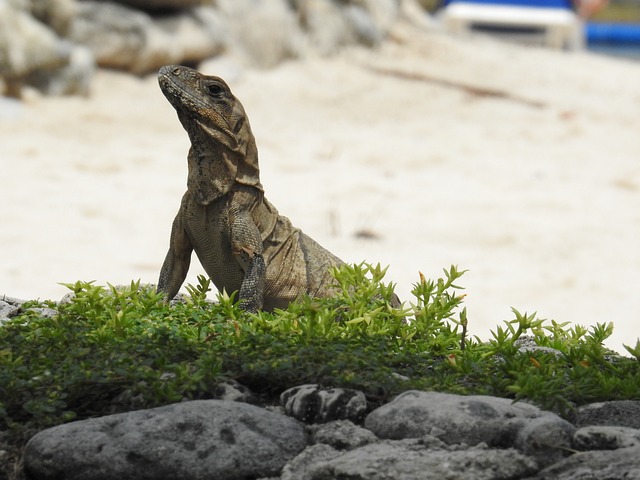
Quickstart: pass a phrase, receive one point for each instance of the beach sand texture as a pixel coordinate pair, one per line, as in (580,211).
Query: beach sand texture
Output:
(519,164)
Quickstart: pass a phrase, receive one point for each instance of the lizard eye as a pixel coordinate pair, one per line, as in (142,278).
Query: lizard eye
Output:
(215,90)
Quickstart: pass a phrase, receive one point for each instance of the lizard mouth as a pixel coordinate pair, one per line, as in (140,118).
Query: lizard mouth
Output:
(187,93)
(179,90)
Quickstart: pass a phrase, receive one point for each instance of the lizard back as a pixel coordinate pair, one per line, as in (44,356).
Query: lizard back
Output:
(242,241)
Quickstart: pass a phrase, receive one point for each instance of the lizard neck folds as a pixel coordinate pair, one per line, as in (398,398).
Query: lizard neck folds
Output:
(223,149)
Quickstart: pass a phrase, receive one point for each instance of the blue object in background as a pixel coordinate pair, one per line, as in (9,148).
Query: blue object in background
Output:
(620,40)
(567,4)
(613,33)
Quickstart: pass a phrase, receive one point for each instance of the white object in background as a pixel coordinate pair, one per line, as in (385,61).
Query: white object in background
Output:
(563,28)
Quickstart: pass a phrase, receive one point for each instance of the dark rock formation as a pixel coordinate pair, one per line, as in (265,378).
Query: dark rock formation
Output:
(312,404)
(192,440)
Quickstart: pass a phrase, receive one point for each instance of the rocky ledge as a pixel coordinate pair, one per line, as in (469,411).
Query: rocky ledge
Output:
(418,435)
(55,45)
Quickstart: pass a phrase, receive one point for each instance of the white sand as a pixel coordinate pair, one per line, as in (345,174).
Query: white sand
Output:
(541,204)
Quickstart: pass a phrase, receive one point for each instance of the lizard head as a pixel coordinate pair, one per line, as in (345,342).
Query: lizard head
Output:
(217,125)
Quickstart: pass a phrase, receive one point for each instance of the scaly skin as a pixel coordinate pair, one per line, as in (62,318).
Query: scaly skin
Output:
(242,242)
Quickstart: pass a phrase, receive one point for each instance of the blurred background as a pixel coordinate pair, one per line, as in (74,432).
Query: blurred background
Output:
(500,136)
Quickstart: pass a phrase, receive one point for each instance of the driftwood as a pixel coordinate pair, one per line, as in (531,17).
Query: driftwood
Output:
(470,89)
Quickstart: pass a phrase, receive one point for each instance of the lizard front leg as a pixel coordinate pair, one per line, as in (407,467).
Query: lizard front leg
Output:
(176,263)
(251,292)
(246,245)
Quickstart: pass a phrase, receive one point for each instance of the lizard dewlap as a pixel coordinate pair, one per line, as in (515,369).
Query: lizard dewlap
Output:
(242,241)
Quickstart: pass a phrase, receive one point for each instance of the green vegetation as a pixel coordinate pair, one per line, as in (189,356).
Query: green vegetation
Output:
(617,12)
(115,349)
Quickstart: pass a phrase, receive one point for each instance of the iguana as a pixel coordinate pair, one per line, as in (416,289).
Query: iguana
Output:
(242,242)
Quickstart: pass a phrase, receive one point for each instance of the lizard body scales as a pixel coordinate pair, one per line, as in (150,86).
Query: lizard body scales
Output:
(242,241)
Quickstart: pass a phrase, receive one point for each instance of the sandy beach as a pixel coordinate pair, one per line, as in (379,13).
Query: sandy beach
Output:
(519,164)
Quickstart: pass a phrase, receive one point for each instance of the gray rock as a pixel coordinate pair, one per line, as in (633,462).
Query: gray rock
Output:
(383,12)
(327,28)
(333,24)
(7,310)
(27,45)
(12,300)
(191,35)
(312,404)
(233,391)
(596,437)
(362,25)
(623,413)
(162,5)
(10,307)
(622,464)
(73,78)
(408,460)
(263,34)
(471,420)
(67,298)
(304,465)
(57,14)
(115,34)
(192,440)
(527,344)
(341,435)
(127,39)
(44,312)
(459,419)
(548,438)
